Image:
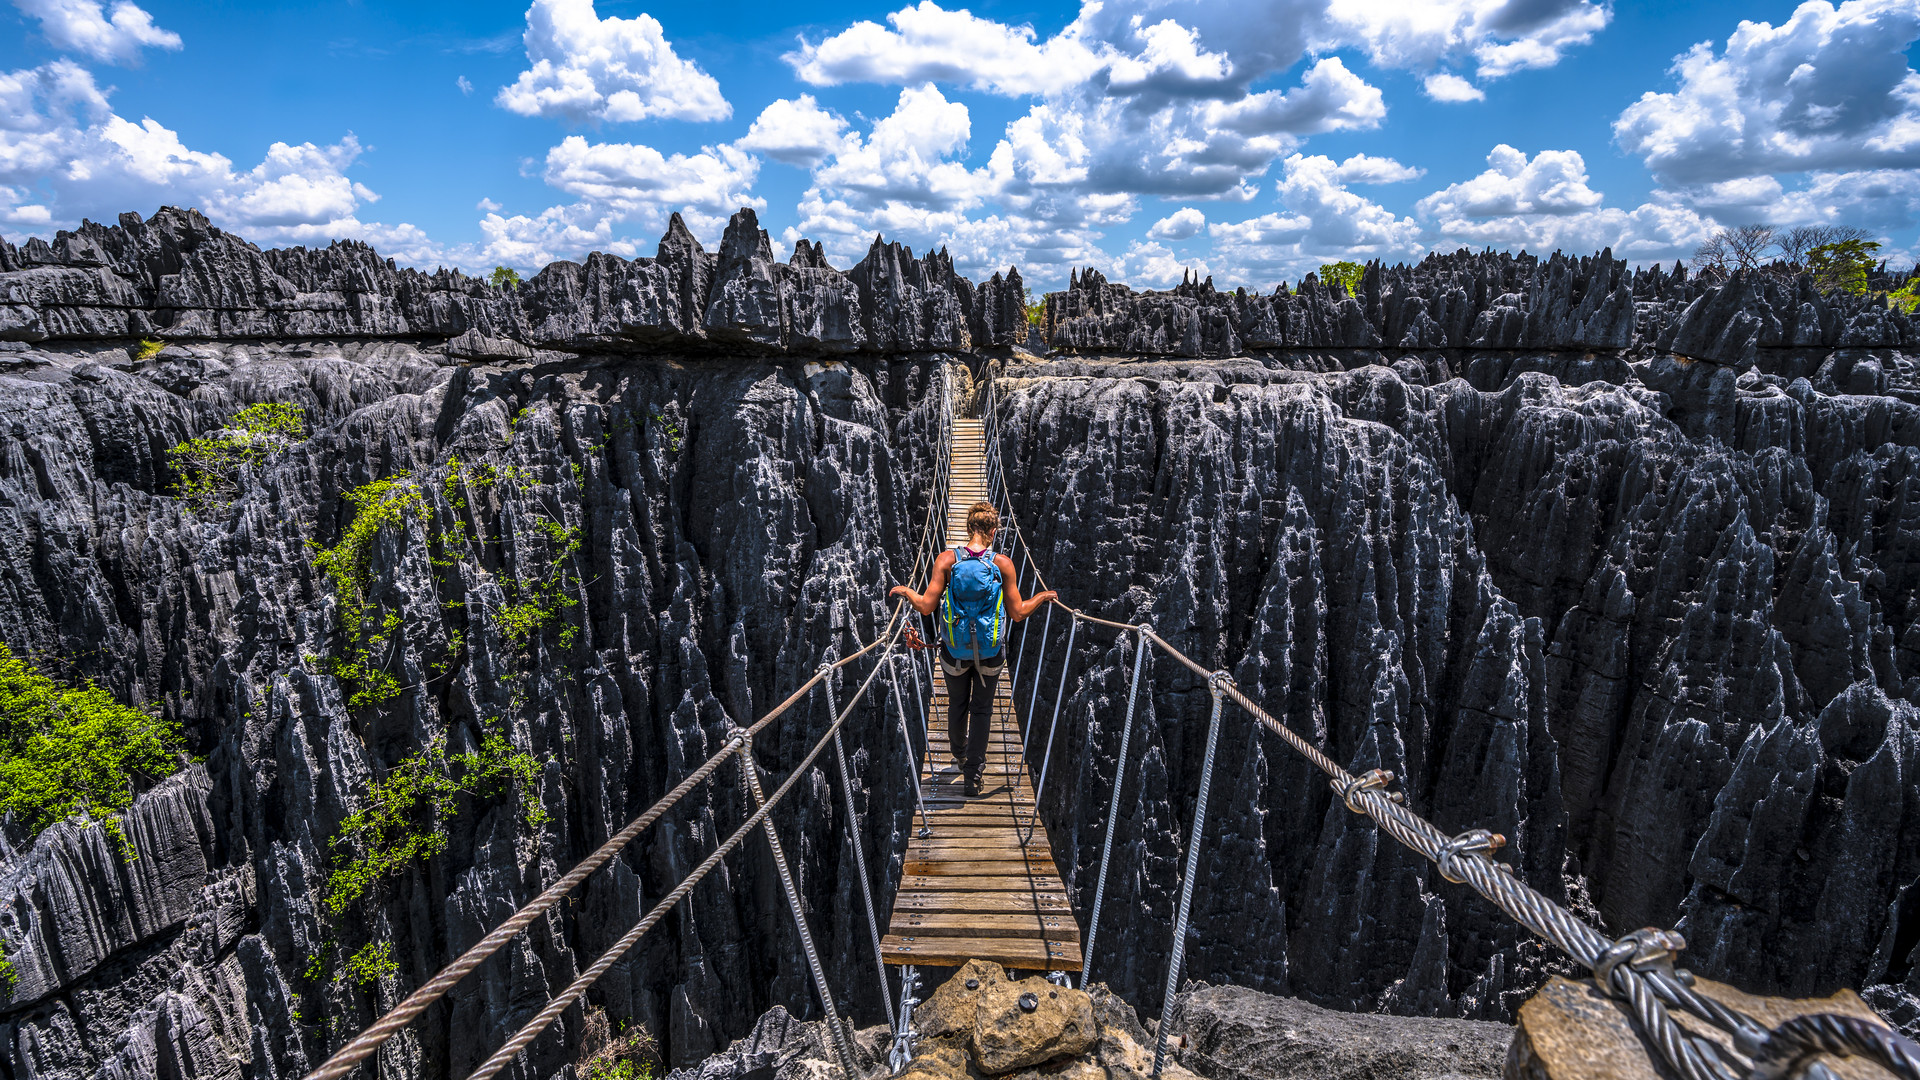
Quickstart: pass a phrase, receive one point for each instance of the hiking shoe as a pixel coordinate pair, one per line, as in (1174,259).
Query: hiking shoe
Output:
(975,783)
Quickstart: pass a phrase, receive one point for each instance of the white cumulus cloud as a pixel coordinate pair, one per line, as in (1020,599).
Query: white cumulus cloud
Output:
(1446,86)
(1179,225)
(627,181)
(928,43)
(797,131)
(84,26)
(586,69)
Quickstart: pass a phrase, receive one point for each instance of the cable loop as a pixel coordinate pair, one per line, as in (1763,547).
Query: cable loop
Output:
(1473,841)
(1218,683)
(1646,949)
(1373,780)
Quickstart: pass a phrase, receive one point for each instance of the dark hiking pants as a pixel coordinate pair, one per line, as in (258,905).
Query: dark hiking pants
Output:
(970,688)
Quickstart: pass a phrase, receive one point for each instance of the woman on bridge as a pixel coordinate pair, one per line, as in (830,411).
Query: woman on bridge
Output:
(977,594)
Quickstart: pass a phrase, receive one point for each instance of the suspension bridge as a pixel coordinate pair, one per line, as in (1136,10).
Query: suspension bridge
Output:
(979,879)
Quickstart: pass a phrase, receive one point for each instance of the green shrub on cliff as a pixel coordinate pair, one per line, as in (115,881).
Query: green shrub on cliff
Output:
(404,820)
(207,470)
(75,752)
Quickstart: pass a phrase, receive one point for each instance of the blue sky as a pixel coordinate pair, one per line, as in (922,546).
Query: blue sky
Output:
(1251,141)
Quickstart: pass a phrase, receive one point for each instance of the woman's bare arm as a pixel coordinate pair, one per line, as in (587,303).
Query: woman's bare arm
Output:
(1017,608)
(936,584)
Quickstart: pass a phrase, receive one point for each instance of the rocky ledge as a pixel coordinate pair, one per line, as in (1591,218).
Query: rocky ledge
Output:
(983,1025)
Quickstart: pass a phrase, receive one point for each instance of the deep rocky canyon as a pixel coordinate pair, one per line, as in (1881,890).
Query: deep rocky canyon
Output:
(1621,563)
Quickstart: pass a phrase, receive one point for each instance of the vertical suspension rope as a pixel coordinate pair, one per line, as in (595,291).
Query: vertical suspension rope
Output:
(859,854)
(1046,756)
(913,760)
(1113,809)
(1039,673)
(842,1042)
(1178,958)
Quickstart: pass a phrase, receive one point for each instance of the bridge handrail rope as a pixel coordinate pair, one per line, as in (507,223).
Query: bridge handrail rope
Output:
(1638,968)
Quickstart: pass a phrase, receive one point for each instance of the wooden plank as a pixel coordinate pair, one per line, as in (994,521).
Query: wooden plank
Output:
(1039,884)
(1022,953)
(1004,902)
(976,849)
(973,924)
(951,831)
(1011,869)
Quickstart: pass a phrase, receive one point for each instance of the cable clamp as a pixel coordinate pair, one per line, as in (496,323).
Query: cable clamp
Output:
(1372,780)
(1647,949)
(1473,841)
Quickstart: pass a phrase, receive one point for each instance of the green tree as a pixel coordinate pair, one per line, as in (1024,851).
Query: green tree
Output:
(75,751)
(207,470)
(504,277)
(1843,266)
(1344,275)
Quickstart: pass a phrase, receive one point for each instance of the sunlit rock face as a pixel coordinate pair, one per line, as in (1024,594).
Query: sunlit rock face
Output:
(1616,562)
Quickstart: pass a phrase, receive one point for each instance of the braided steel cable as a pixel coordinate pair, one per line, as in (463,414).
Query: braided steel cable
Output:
(521,1039)
(860,858)
(1179,953)
(364,1045)
(842,1042)
(1113,809)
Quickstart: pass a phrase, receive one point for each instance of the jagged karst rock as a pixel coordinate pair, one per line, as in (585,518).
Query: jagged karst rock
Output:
(1649,610)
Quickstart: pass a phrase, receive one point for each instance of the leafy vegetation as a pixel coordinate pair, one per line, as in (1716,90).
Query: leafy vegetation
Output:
(1843,266)
(1906,298)
(668,428)
(75,752)
(9,978)
(629,1054)
(504,277)
(1343,275)
(207,470)
(372,962)
(406,813)
(348,567)
(147,349)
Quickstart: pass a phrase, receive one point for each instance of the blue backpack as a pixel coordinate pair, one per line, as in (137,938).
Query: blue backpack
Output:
(973,610)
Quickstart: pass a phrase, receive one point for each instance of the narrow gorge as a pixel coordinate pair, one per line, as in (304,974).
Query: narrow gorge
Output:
(1622,563)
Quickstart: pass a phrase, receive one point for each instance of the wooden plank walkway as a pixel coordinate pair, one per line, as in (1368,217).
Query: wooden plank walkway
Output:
(974,889)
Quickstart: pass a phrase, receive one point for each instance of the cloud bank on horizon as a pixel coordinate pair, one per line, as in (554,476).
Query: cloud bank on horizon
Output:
(1147,138)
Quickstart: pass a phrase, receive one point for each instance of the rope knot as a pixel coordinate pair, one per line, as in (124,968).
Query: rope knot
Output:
(1218,683)
(1373,780)
(1646,949)
(1470,842)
